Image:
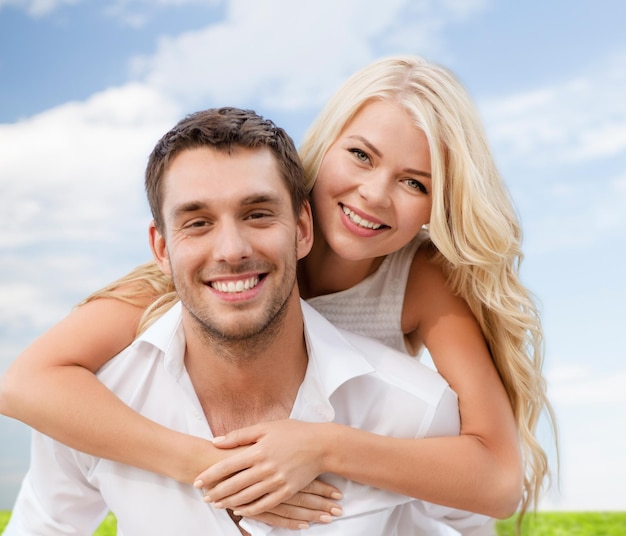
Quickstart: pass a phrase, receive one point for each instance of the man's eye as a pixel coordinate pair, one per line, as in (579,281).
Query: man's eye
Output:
(196,224)
(361,155)
(257,215)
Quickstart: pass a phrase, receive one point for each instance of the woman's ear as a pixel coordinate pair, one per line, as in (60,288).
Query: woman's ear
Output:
(159,248)
(304,238)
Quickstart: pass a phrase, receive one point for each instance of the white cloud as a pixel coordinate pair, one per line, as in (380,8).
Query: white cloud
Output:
(37,8)
(68,172)
(266,66)
(590,405)
(592,478)
(578,385)
(287,55)
(562,149)
(579,120)
(16,305)
(136,13)
(73,210)
(131,12)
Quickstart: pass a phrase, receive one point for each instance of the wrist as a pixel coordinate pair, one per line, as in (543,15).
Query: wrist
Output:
(193,455)
(327,439)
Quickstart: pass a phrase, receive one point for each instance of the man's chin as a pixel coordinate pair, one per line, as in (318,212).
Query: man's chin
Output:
(235,330)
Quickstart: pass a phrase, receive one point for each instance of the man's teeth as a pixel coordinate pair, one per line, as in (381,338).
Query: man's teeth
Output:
(235,286)
(361,222)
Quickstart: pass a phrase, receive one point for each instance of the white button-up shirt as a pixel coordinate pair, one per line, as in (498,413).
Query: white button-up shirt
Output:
(349,379)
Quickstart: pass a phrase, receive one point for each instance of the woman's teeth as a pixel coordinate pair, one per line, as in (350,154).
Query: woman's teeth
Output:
(361,222)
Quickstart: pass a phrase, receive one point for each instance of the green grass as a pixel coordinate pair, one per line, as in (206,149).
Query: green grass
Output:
(107,528)
(568,524)
(543,524)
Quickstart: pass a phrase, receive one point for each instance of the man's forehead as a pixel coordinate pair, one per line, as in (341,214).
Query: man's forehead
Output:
(207,176)
(224,165)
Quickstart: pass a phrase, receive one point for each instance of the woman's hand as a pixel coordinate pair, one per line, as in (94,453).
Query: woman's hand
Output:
(283,458)
(310,505)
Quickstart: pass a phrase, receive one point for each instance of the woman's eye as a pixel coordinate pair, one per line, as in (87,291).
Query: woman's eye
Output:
(416,185)
(360,155)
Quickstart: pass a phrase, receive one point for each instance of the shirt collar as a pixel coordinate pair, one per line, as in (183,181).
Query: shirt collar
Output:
(332,359)
(168,336)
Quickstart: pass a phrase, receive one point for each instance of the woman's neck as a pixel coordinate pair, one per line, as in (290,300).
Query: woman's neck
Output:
(322,271)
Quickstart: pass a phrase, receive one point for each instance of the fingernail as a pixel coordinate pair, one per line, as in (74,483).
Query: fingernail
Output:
(198,484)
(220,505)
(325,518)
(236,512)
(303,526)
(218,439)
(336,495)
(336,511)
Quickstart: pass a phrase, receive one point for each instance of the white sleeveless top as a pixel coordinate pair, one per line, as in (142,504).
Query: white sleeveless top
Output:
(373,307)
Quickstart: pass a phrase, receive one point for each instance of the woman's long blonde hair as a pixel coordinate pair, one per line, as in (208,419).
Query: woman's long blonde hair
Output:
(473,225)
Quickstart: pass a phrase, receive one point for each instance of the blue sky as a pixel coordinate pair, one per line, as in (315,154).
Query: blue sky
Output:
(86,88)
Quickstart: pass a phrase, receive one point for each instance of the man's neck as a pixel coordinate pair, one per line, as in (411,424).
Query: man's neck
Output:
(246,383)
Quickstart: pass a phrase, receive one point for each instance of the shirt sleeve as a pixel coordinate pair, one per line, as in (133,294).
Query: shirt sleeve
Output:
(56,498)
(446,419)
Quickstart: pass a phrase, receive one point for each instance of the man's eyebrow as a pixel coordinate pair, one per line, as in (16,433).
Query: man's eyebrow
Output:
(261,198)
(187,207)
(375,150)
(252,199)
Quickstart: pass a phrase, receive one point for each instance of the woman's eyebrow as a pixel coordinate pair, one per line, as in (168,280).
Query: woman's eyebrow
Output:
(367,143)
(418,172)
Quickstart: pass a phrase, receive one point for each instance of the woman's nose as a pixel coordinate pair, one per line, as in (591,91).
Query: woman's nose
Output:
(376,189)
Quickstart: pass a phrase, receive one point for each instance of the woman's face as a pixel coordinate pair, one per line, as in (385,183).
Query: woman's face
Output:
(373,190)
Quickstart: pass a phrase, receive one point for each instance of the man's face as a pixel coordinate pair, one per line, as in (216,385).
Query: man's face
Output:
(231,240)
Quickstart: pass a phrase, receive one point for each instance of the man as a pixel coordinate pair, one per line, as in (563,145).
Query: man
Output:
(231,220)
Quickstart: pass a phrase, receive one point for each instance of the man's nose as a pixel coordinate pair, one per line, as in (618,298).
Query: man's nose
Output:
(231,242)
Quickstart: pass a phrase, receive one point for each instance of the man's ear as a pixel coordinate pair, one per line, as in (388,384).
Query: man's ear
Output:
(304,238)
(159,248)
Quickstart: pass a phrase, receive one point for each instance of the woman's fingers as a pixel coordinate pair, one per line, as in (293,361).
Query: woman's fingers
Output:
(323,489)
(300,508)
(318,498)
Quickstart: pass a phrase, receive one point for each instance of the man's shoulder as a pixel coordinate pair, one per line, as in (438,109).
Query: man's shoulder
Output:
(383,363)
(389,362)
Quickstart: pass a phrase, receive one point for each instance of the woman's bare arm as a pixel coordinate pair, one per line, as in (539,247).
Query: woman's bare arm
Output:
(51,386)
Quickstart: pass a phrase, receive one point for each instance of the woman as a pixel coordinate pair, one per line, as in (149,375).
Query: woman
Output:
(397,149)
